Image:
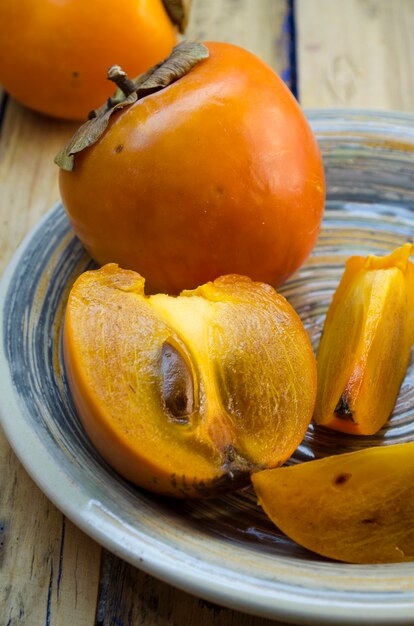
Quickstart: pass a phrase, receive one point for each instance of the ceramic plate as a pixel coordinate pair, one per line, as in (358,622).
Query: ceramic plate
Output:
(224,550)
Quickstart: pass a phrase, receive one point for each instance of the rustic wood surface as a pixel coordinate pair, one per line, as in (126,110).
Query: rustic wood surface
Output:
(259,26)
(354,53)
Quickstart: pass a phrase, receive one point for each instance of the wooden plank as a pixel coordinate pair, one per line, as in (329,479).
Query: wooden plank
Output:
(28,176)
(356,53)
(128,596)
(257,26)
(143,600)
(49,570)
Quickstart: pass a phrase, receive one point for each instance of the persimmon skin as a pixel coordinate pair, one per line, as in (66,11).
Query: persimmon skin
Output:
(218,173)
(54,56)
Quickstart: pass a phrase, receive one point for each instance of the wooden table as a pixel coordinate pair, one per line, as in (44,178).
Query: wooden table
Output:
(353,53)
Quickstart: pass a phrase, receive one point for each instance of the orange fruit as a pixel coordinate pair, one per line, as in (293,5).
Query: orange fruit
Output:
(217,173)
(54,55)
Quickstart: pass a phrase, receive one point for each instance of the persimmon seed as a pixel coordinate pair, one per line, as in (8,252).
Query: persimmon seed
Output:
(343,409)
(177,384)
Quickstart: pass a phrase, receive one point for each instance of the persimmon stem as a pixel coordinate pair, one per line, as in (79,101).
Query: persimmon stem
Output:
(182,58)
(117,75)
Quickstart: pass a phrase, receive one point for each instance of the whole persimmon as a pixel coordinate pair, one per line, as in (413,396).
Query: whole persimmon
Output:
(54,54)
(216,172)
(188,395)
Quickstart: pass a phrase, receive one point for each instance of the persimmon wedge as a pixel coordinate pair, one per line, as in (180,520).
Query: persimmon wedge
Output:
(366,343)
(356,507)
(188,395)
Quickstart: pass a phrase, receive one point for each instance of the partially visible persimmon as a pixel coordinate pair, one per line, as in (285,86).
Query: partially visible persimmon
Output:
(186,396)
(216,173)
(356,507)
(54,54)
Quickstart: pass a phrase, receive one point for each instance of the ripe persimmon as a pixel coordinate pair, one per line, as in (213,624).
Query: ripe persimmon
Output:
(217,172)
(54,55)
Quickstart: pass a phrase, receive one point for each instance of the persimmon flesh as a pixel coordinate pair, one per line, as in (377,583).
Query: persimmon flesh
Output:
(356,507)
(54,55)
(186,396)
(366,343)
(217,173)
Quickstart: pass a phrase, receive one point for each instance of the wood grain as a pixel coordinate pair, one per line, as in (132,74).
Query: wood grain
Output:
(49,570)
(258,26)
(356,53)
(28,176)
(141,599)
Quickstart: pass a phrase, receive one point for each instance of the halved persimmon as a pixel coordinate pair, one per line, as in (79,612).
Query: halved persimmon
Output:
(188,395)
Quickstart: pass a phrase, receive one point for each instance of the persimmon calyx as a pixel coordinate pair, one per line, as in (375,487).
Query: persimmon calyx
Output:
(178,11)
(182,58)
